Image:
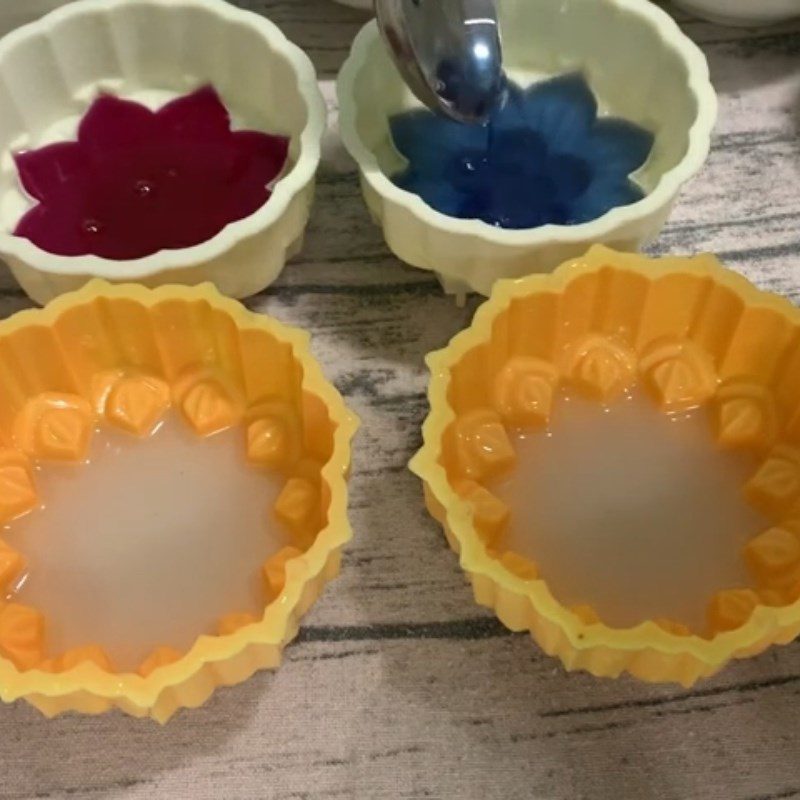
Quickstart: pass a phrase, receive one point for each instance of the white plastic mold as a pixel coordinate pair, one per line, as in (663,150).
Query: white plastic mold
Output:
(153,50)
(639,65)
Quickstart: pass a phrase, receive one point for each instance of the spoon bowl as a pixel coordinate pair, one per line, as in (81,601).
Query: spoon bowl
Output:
(449,53)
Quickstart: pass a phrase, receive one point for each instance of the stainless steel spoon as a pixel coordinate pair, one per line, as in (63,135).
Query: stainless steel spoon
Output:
(448,51)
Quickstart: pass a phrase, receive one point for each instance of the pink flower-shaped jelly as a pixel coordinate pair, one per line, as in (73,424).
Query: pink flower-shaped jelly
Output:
(137,181)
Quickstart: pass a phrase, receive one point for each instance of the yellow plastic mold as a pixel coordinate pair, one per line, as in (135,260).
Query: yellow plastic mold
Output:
(691,332)
(124,354)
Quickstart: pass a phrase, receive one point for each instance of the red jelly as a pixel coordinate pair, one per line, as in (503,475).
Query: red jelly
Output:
(139,181)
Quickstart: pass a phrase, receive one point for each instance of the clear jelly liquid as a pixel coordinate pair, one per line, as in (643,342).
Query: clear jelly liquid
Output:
(149,543)
(638,513)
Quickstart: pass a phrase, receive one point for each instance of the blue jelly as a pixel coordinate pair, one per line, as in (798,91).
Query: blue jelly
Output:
(544,157)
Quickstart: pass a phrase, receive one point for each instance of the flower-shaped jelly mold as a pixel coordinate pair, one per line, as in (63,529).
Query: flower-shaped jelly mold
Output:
(545,158)
(122,356)
(153,52)
(629,52)
(691,333)
(138,181)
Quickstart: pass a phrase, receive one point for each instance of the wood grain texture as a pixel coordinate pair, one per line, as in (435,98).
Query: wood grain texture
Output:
(399,686)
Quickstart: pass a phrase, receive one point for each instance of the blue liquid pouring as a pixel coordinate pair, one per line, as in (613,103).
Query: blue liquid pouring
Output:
(543,157)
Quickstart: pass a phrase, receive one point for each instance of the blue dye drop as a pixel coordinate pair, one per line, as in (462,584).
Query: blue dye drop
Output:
(544,157)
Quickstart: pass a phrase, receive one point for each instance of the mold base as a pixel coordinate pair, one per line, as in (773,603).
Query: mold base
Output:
(693,334)
(110,351)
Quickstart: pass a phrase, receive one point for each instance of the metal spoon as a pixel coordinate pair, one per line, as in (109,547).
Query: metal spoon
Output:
(448,52)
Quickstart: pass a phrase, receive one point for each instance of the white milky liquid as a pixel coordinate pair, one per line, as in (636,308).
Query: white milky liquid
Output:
(635,512)
(149,544)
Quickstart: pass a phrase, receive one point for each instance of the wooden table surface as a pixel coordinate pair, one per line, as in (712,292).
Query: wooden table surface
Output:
(399,686)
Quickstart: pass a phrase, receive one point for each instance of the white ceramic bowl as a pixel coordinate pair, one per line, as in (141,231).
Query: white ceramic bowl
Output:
(154,50)
(639,65)
(742,13)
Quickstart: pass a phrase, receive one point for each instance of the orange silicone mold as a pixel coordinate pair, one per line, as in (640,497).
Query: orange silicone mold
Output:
(692,333)
(121,356)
